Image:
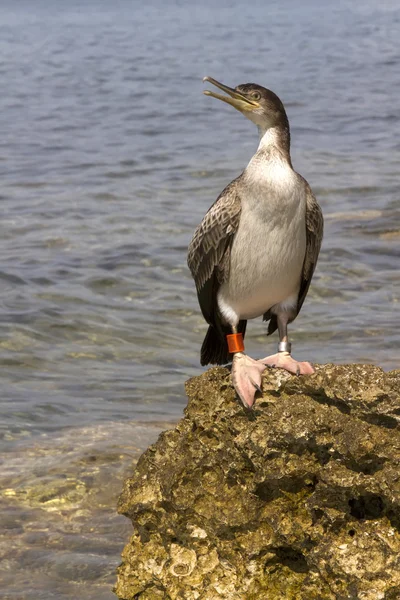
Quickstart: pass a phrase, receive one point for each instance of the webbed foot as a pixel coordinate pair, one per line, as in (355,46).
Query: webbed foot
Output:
(246,377)
(283,360)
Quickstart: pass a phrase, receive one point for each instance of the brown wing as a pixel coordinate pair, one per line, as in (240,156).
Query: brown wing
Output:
(209,250)
(314,232)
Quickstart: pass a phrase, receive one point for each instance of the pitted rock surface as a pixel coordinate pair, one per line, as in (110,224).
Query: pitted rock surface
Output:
(298,499)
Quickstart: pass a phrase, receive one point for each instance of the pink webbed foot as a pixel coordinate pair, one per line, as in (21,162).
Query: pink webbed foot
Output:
(246,377)
(283,360)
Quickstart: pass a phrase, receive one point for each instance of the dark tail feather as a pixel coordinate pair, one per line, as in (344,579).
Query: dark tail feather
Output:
(273,322)
(214,350)
(273,325)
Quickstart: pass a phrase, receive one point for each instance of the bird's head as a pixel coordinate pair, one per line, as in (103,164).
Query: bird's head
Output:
(255,102)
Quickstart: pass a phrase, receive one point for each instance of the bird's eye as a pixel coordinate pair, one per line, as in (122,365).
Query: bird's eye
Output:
(256,95)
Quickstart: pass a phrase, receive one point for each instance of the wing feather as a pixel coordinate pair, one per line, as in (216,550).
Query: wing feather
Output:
(209,250)
(314,233)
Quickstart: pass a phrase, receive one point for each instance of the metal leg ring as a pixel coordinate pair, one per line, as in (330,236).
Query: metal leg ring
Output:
(285,347)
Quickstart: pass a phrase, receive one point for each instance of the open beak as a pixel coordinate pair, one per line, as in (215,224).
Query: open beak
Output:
(234,98)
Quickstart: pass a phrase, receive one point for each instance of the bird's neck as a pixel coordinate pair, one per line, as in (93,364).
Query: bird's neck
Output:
(275,139)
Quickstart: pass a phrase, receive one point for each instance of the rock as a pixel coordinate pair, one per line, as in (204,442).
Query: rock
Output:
(296,500)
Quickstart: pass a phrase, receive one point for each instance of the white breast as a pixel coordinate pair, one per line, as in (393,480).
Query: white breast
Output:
(268,249)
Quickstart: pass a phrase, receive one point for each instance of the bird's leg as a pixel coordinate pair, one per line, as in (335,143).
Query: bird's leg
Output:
(246,372)
(282,358)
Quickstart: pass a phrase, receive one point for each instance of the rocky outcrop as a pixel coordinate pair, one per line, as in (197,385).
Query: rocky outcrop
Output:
(298,499)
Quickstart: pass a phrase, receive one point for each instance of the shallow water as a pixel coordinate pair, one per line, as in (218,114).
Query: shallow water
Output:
(109,157)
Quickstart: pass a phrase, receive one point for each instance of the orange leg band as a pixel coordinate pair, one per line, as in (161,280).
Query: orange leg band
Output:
(235,343)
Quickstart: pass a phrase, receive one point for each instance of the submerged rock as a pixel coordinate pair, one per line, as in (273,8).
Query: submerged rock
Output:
(296,500)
